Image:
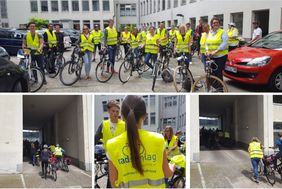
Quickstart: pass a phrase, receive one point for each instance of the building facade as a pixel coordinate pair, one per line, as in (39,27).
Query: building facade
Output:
(3,14)
(242,13)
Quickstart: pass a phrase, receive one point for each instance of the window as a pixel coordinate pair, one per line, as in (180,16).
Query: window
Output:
(3,9)
(237,18)
(193,1)
(151,8)
(106,5)
(220,17)
(76,24)
(33,6)
(163,8)
(168,4)
(75,6)
(154,6)
(127,9)
(96,6)
(54,6)
(65,6)
(44,6)
(277,99)
(85,5)
(183,2)
(153,118)
(175,3)
(96,22)
(159,6)
(104,103)
(87,23)
(152,99)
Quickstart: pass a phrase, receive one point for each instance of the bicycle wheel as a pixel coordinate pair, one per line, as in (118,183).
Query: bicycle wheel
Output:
(36,79)
(155,74)
(182,79)
(65,167)
(102,74)
(125,71)
(70,73)
(270,175)
(54,174)
(59,63)
(178,182)
(211,85)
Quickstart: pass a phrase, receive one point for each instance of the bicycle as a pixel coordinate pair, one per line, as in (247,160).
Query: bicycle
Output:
(71,71)
(36,75)
(132,64)
(209,82)
(52,169)
(118,55)
(101,164)
(178,178)
(103,73)
(182,76)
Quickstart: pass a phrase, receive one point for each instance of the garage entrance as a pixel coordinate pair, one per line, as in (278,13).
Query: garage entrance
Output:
(262,16)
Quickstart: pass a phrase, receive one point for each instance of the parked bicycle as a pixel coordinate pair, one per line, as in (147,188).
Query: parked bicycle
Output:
(208,82)
(36,76)
(71,71)
(101,164)
(178,178)
(182,77)
(132,64)
(103,72)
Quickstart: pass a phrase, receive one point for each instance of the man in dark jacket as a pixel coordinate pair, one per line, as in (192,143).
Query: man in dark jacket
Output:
(60,38)
(45,154)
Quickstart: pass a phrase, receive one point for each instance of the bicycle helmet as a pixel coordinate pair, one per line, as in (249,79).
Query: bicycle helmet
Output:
(4,53)
(45,146)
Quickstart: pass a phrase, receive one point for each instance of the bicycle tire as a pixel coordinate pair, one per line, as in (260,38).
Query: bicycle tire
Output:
(179,88)
(36,76)
(72,69)
(178,182)
(54,173)
(58,66)
(65,167)
(270,175)
(102,66)
(155,73)
(125,67)
(201,83)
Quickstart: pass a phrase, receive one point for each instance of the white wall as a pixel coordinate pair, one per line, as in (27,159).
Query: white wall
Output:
(194,128)
(11,139)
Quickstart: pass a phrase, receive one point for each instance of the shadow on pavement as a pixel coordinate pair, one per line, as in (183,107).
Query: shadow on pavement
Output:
(249,175)
(247,87)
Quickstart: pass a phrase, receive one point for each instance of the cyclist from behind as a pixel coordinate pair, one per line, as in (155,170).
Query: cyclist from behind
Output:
(51,39)
(34,41)
(151,47)
(278,144)
(256,154)
(45,154)
(59,152)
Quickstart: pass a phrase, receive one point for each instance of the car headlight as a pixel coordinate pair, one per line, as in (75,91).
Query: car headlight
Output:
(260,61)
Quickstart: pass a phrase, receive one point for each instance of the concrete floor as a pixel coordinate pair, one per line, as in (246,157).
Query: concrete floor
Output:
(135,84)
(226,169)
(30,178)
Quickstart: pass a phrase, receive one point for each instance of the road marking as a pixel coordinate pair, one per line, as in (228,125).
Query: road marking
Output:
(229,181)
(202,176)
(22,178)
(85,174)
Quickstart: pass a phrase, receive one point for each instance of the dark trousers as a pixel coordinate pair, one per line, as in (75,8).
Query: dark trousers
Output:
(231,48)
(112,54)
(220,62)
(44,165)
(126,47)
(150,56)
(40,62)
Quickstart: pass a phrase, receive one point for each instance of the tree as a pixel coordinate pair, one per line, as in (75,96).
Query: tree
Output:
(40,23)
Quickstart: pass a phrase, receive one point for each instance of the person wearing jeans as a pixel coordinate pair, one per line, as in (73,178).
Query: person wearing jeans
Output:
(256,154)
(151,47)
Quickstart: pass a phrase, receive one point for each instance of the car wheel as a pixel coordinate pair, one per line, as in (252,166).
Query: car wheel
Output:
(17,87)
(276,81)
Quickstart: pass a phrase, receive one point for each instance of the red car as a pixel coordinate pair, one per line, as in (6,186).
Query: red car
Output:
(259,63)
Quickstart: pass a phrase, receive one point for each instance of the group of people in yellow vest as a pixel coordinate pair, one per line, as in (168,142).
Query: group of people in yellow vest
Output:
(137,158)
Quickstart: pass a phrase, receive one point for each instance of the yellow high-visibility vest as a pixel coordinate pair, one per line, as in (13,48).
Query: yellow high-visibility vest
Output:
(151,155)
(87,44)
(58,151)
(162,34)
(203,43)
(231,40)
(174,152)
(213,42)
(33,43)
(172,35)
(182,45)
(255,150)
(98,35)
(151,44)
(125,37)
(107,133)
(112,36)
(52,39)
(135,41)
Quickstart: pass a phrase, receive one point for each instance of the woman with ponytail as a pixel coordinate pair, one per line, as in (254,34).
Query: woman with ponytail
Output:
(137,158)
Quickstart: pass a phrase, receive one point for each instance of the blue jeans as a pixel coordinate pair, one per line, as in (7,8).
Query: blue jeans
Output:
(203,59)
(87,58)
(112,54)
(255,162)
(148,57)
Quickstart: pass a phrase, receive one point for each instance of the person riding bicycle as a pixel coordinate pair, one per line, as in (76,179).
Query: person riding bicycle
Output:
(110,128)
(34,41)
(278,144)
(111,41)
(125,39)
(256,154)
(171,143)
(151,47)
(182,44)
(137,157)
(163,36)
(59,152)
(45,154)
(50,38)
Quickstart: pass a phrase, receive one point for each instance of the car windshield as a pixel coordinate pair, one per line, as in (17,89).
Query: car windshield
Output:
(271,41)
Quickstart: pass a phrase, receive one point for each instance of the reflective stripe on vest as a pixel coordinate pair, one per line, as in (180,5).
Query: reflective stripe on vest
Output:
(231,40)
(107,133)
(31,43)
(183,45)
(125,37)
(151,155)
(213,43)
(135,41)
(138,183)
(161,36)
(86,44)
(203,43)
(112,36)
(97,36)
(52,38)
(151,44)
(255,150)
